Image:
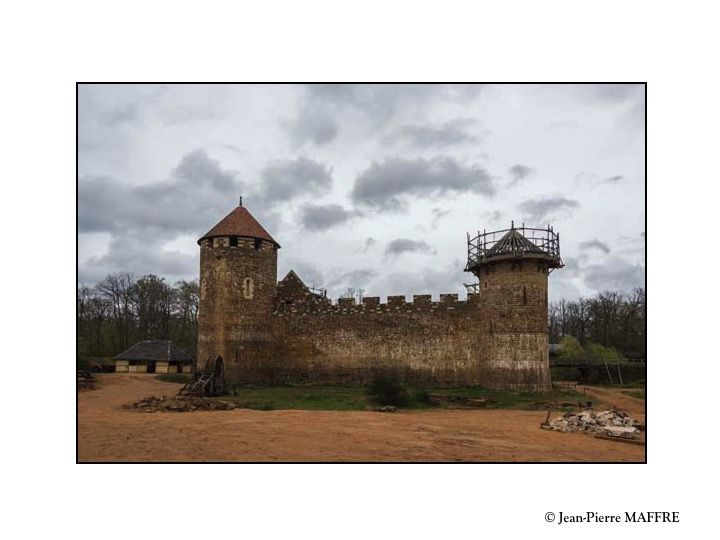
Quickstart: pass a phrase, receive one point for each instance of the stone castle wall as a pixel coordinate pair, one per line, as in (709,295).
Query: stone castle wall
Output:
(286,334)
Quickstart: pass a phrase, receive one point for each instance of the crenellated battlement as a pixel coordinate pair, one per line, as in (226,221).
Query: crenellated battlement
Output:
(371,304)
(237,243)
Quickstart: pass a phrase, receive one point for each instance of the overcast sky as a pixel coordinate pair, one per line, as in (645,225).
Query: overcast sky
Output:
(366,186)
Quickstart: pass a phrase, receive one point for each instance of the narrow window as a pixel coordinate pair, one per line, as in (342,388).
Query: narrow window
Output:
(248,288)
(258,243)
(233,241)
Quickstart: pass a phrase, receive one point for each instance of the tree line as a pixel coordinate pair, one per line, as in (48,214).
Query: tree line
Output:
(123,309)
(613,319)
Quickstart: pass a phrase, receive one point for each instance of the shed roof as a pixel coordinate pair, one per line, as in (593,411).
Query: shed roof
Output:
(239,222)
(159,349)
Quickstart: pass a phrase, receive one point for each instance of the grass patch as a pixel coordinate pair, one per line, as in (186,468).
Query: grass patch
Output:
(506,399)
(637,394)
(181,378)
(356,398)
(313,398)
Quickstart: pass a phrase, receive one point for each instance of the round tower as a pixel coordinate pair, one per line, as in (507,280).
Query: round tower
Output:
(512,267)
(238,277)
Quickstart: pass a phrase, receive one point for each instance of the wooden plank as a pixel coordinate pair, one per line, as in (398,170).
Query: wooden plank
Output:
(620,439)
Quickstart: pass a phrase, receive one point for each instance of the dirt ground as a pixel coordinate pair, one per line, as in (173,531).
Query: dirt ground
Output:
(107,432)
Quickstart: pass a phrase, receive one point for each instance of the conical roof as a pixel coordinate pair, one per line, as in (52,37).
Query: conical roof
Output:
(513,243)
(239,222)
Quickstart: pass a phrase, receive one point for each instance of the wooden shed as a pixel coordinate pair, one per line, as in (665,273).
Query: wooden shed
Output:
(153,356)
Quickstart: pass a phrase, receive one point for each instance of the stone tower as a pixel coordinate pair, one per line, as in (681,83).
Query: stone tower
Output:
(238,277)
(512,267)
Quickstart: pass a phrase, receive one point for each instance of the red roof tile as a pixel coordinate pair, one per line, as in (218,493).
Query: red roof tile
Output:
(239,222)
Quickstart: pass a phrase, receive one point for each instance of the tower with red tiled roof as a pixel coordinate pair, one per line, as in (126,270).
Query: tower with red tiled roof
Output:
(238,277)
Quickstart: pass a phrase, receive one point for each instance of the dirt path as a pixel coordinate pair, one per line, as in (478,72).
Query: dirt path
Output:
(614,397)
(106,432)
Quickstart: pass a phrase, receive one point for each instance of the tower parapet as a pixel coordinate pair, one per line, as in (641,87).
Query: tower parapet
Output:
(514,244)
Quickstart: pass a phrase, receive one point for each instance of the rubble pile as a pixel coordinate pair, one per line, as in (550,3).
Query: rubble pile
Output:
(609,423)
(181,404)
(386,408)
(85,381)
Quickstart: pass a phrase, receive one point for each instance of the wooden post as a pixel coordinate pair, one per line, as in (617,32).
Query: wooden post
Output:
(617,360)
(607,368)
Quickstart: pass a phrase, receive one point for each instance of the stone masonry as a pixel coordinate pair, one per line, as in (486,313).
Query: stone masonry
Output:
(277,333)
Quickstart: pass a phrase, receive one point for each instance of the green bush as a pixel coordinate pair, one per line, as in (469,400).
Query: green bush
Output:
(182,378)
(386,388)
(570,349)
(422,396)
(632,374)
(598,353)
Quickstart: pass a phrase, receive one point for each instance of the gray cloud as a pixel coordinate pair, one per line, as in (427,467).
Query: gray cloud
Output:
(492,217)
(197,191)
(593,179)
(284,180)
(405,245)
(322,106)
(125,113)
(341,280)
(572,267)
(451,133)
(615,274)
(313,124)
(139,254)
(188,114)
(539,208)
(384,185)
(437,215)
(123,226)
(369,243)
(435,281)
(595,244)
(612,179)
(614,93)
(320,217)
(562,287)
(518,173)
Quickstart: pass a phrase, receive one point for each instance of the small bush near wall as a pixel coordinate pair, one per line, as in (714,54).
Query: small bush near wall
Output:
(386,388)
(632,374)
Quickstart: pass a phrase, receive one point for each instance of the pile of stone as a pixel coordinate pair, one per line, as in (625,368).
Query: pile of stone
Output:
(608,423)
(85,380)
(181,404)
(386,408)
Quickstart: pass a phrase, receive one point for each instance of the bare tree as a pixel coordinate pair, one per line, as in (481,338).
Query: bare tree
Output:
(187,302)
(356,294)
(117,290)
(152,301)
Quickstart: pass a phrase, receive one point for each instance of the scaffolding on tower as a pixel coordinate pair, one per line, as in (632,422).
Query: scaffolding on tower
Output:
(513,244)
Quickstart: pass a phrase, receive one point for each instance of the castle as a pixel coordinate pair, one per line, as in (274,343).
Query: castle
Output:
(270,332)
